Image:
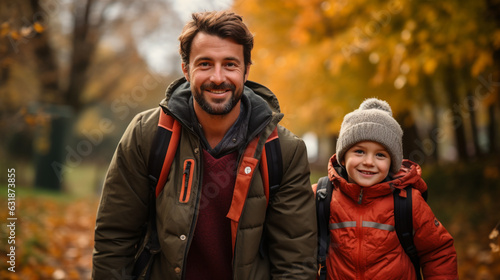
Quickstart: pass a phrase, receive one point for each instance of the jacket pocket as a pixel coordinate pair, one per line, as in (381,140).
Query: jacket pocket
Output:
(187,180)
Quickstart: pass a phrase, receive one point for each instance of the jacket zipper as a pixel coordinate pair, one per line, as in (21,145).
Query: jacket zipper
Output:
(187,180)
(361,266)
(195,218)
(360,199)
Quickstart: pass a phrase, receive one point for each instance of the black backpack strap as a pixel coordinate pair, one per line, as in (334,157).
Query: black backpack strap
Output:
(403,222)
(150,245)
(272,171)
(323,199)
(274,162)
(161,156)
(425,194)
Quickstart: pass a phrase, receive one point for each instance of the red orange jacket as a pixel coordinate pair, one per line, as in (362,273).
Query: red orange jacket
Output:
(363,242)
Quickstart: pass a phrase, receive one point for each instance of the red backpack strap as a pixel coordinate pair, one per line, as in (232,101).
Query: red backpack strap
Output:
(271,166)
(245,173)
(243,178)
(163,150)
(264,170)
(161,155)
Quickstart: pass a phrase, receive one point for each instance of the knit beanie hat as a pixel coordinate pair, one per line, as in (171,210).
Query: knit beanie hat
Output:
(373,121)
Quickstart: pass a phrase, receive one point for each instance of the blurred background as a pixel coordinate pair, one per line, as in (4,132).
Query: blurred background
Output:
(74,73)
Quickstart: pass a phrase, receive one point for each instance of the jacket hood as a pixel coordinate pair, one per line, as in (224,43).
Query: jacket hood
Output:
(409,173)
(264,104)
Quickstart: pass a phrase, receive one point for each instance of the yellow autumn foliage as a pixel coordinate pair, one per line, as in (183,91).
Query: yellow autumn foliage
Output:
(340,52)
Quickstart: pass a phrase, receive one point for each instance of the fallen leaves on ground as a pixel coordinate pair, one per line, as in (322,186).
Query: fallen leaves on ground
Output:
(53,238)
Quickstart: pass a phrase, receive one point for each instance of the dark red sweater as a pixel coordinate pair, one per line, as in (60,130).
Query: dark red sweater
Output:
(210,255)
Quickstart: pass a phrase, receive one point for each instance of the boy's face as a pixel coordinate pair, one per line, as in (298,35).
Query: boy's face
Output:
(367,163)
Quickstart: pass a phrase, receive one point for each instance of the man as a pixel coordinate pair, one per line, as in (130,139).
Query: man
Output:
(220,113)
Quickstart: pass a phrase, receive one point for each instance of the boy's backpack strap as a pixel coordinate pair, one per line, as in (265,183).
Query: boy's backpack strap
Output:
(161,156)
(323,198)
(403,222)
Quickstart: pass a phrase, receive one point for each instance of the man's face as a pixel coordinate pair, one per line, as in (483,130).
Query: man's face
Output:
(216,72)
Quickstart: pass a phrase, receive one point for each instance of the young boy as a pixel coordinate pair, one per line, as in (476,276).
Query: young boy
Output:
(367,167)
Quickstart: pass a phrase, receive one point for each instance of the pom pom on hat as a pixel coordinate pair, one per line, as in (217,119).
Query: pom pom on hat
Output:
(372,121)
(374,103)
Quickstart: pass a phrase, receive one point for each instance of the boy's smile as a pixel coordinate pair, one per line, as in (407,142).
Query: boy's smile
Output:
(367,163)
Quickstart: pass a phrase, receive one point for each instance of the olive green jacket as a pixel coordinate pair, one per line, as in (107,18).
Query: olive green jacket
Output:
(288,223)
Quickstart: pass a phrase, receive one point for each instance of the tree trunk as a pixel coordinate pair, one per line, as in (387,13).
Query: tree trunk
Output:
(84,45)
(429,93)
(494,106)
(48,147)
(411,149)
(472,107)
(492,130)
(454,116)
(494,15)
(46,64)
(53,132)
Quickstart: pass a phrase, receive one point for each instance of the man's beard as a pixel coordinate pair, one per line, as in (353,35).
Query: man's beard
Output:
(221,109)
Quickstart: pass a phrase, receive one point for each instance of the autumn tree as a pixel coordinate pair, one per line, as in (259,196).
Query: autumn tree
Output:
(426,58)
(56,65)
